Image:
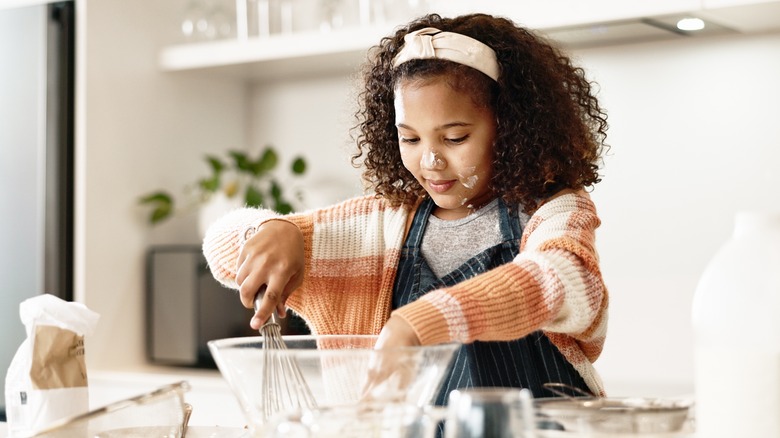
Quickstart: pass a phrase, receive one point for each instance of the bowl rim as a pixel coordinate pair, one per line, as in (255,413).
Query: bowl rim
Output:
(235,342)
(176,389)
(613,405)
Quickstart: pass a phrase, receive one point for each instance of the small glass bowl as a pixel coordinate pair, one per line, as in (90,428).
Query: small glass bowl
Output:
(162,413)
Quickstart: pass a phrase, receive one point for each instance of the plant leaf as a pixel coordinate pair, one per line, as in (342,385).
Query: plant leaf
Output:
(217,165)
(241,161)
(163,206)
(209,184)
(280,204)
(156,197)
(254,198)
(256,168)
(269,159)
(162,212)
(283,208)
(299,166)
(276,191)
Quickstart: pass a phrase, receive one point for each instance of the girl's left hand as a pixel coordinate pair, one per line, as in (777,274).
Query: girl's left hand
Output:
(396,333)
(392,367)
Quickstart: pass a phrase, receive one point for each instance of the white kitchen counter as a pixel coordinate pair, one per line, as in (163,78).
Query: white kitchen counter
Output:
(545,434)
(211,399)
(192,432)
(213,404)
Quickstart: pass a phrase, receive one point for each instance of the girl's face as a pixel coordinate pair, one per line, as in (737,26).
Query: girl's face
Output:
(446,142)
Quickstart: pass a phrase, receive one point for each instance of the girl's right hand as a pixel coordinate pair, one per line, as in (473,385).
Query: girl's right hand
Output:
(273,257)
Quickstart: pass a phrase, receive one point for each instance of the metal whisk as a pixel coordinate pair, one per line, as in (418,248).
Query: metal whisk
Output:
(284,387)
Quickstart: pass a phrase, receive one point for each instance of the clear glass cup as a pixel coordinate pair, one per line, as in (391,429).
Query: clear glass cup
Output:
(365,420)
(490,413)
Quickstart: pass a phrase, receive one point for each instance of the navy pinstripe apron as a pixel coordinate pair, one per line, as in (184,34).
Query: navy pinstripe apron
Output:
(528,362)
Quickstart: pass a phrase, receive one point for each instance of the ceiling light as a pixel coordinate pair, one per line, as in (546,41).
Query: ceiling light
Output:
(690,24)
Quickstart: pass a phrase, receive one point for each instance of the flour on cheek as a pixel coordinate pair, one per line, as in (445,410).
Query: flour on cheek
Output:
(468,179)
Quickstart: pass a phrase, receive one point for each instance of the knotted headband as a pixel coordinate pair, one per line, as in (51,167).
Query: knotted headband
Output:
(431,43)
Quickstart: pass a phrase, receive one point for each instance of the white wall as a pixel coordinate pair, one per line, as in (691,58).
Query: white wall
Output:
(142,130)
(310,117)
(695,139)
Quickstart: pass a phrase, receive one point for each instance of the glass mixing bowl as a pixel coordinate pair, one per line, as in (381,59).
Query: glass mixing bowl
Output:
(340,370)
(634,416)
(161,413)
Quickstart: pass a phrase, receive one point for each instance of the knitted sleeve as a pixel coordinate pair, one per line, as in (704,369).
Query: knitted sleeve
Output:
(351,253)
(224,238)
(554,284)
(355,248)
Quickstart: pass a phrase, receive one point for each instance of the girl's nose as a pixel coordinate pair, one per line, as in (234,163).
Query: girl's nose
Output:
(432,160)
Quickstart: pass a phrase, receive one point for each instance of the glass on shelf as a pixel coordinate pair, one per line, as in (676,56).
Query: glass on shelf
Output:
(264,18)
(194,23)
(221,19)
(256,18)
(204,20)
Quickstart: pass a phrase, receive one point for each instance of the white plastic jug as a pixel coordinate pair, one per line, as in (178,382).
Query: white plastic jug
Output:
(736,324)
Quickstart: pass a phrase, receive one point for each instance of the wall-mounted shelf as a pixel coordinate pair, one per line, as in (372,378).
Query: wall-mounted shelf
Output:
(277,56)
(602,22)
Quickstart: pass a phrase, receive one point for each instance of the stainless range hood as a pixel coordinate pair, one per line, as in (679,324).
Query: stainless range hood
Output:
(603,22)
(631,31)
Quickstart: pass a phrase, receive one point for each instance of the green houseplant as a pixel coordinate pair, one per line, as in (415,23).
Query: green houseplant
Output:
(240,176)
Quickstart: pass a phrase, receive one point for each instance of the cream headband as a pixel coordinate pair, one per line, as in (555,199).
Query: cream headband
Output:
(432,43)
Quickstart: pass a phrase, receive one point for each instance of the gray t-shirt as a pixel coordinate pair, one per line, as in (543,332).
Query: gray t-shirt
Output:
(447,244)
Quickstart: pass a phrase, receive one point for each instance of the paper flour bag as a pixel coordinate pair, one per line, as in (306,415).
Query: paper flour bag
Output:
(47,378)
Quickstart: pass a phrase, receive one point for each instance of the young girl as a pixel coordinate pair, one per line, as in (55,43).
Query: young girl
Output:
(478,139)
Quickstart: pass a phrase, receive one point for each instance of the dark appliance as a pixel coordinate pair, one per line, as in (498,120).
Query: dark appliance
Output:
(186,307)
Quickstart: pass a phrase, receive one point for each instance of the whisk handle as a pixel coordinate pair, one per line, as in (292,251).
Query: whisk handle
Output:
(259,300)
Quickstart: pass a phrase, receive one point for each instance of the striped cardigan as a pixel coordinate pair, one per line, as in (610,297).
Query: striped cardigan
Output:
(352,252)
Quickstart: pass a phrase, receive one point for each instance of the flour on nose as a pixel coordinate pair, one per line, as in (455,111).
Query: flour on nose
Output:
(431,160)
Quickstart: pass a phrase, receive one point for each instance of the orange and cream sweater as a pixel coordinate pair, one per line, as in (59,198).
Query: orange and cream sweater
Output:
(352,251)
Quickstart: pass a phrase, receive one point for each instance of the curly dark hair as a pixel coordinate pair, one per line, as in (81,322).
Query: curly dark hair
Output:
(551,130)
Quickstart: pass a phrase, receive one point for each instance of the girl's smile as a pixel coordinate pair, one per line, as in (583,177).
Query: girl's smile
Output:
(440,186)
(446,142)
